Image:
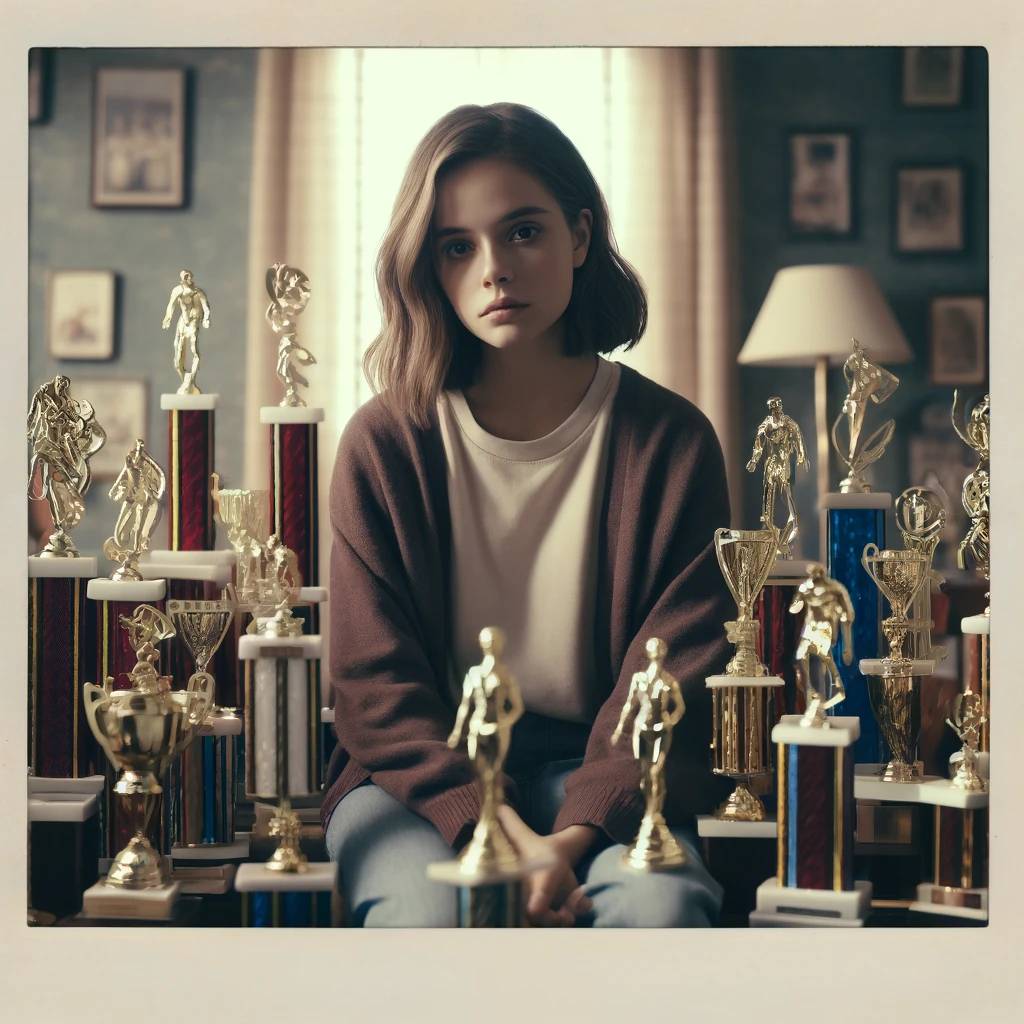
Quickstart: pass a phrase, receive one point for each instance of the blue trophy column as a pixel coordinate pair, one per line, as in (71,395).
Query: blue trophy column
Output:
(855,520)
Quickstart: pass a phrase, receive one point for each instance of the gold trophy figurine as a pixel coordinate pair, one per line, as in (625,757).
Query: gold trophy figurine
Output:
(139,487)
(921,519)
(655,703)
(976,490)
(243,513)
(968,718)
(191,302)
(827,607)
(64,435)
(289,290)
(140,730)
(865,382)
(278,586)
(779,438)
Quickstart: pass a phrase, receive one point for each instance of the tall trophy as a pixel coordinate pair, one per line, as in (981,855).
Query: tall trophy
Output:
(655,704)
(489,871)
(740,743)
(921,519)
(893,684)
(140,729)
(855,516)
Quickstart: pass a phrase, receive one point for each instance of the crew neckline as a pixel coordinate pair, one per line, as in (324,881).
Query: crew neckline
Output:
(574,425)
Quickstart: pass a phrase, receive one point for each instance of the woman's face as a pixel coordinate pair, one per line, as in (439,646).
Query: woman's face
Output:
(499,234)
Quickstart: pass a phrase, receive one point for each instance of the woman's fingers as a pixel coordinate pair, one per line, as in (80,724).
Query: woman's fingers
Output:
(578,902)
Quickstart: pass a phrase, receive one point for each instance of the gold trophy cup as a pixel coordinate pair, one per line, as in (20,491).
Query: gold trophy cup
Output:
(141,729)
(893,680)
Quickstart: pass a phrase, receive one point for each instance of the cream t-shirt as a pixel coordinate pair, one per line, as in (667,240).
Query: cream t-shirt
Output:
(524,518)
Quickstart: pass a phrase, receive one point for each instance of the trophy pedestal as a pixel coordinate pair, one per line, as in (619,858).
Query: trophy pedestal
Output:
(42,787)
(274,899)
(61,654)
(853,521)
(951,901)
(487,899)
(781,906)
(979,626)
(208,556)
(929,789)
(976,624)
(190,448)
(710,827)
(109,901)
(780,631)
(877,667)
(63,849)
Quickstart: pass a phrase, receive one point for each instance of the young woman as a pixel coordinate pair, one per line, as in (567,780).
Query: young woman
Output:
(507,475)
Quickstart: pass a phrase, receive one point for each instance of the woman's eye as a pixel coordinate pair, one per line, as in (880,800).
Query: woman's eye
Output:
(531,230)
(451,247)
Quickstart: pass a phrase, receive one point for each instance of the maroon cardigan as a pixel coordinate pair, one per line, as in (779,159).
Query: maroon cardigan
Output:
(391,612)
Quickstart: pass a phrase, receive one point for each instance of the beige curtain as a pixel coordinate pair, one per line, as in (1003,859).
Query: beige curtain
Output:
(673,188)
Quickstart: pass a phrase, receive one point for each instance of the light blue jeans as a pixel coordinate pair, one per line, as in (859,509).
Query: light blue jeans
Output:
(383,850)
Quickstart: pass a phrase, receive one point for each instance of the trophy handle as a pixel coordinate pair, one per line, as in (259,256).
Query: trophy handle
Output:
(94,695)
(870,551)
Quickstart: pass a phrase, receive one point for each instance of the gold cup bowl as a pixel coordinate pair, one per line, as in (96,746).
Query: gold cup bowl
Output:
(899,575)
(141,730)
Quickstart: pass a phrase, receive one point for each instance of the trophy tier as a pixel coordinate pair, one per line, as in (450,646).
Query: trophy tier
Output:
(196,572)
(142,591)
(86,785)
(977,625)
(710,827)
(80,568)
(272,414)
(717,682)
(949,901)
(259,645)
(878,667)
(784,905)
(867,785)
(213,557)
(73,807)
(188,403)
(318,877)
(841,731)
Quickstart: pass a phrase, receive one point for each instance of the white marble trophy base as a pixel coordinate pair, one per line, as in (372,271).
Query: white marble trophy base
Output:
(867,785)
(930,901)
(318,877)
(977,625)
(83,567)
(103,589)
(107,901)
(787,906)
(866,499)
(219,575)
(710,827)
(788,570)
(210,852)
(259,645)
(213,557)
(189,403)
(290,414)
(327,716)
(876,667)
(73,807)
(720,682)
(841,731)
(39,785)
(222,723)
(312,595)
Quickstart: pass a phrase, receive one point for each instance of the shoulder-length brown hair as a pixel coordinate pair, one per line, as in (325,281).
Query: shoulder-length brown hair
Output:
(423,346)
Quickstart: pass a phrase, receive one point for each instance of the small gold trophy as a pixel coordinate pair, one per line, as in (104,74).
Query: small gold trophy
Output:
(893,683)
(139,487)
(865,382)
(779,439)
(968,718)
(64,436)
(489,871)
(655,704)
(202,625)
(243,513)
(141,729)
(921,519)
(977,487)
(827,608)
(192,305)
(740,745)
(289,290)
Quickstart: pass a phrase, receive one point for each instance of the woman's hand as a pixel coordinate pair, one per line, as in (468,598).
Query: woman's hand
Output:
(554,897)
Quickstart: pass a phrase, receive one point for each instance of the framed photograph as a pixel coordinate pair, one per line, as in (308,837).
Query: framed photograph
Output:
(121,410)
(930,205)
(957,339)
(38,84)
(80,314)
(138,137)
(820,183)
(933,76)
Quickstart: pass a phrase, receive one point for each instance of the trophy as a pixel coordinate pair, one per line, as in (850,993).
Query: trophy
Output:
(140,730)
(288,288)
(779,439)
(893,687)
(192,305)
(64,436)
(244,515)
(968,718)
(921,519)
(139,487)
(827,608)
(865,381)
(489,871)
(740,721)
(655,704)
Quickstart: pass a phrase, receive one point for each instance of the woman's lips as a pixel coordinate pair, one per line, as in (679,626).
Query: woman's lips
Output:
(499,316)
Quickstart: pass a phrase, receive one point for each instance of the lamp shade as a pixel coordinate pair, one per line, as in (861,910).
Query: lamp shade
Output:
(813,312)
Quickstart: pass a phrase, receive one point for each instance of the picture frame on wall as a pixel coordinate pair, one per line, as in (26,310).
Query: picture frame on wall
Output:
(81,314)
(38,84)
(820,183)
(138,137)
(929,209)
(121,409)
(957,340)
(933,76)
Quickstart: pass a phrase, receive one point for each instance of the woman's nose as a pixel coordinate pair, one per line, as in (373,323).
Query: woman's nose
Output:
(496,269)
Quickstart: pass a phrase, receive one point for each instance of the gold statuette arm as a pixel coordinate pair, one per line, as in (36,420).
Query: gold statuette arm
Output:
(169,312)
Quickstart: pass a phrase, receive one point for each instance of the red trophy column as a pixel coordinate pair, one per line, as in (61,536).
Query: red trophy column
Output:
(190,421)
